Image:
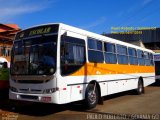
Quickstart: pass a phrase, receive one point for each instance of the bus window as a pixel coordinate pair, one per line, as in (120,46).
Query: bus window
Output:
(122,54)
(94,44)
(72,54)
(132,56)
(147,60)
(35,59)
(141,60)
(95,53)
(151,59)
(110,53)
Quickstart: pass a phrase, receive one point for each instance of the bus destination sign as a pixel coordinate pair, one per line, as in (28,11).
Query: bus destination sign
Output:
(39,31)
(47,29)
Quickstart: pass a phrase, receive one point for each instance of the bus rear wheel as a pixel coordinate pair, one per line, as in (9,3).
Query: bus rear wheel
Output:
(91,96)
(140,88)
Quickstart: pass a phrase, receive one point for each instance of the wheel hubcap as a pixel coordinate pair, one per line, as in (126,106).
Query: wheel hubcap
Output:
(92,97)
(140,88)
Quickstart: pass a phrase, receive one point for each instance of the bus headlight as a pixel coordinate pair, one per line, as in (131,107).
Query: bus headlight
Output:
(13,89)
(52,90)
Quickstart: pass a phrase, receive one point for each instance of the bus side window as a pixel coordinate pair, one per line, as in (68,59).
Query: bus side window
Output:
(151,59)
(141,60)
(147,59)
(110,53)
(122,54)
(95,52)
(72,54)
(132,56)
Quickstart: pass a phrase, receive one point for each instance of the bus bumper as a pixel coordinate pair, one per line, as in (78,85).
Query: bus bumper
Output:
(43,98)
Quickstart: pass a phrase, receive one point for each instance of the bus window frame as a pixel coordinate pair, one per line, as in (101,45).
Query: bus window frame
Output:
(131,56)
(122,55)
(113,53)
(95,50)
(63,41)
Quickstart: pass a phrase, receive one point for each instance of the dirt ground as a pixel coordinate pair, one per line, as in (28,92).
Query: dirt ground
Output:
(124,106)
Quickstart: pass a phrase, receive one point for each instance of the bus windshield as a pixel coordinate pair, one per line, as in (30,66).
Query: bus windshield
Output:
(34,56)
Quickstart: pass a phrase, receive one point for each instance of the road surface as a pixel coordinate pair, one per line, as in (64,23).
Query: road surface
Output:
(124,106)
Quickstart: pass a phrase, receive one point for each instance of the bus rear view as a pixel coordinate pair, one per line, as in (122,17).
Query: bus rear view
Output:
(33,64)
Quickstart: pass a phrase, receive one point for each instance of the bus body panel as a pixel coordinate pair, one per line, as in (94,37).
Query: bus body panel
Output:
(47,98)
(34,90)
(109,84)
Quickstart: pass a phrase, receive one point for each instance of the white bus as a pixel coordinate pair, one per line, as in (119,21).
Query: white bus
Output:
(58,63)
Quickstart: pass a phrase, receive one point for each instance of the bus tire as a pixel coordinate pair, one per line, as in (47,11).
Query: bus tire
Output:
(140,87)
(91,96)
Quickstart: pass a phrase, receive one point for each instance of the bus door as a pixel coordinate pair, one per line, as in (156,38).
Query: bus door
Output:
(72,65)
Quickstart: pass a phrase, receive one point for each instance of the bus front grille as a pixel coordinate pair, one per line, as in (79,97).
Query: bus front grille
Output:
(29,97)
(31,81)
(33,91)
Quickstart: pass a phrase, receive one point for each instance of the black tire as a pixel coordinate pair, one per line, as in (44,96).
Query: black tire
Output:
(140,88)
(91,96)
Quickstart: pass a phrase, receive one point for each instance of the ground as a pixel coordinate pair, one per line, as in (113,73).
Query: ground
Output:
(124,105)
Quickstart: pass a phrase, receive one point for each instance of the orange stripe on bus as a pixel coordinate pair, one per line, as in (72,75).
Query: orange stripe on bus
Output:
(102,69)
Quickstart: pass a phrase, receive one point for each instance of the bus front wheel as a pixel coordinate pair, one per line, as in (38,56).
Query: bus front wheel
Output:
(91,96)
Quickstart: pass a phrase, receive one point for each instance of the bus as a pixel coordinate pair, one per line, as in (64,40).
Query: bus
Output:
(57,63)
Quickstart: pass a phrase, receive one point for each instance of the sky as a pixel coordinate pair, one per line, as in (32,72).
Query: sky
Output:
(98,16)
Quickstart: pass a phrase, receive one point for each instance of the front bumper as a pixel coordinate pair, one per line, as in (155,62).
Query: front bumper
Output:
(43,98)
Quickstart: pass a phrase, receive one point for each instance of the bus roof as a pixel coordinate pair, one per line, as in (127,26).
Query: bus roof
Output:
(92,35)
